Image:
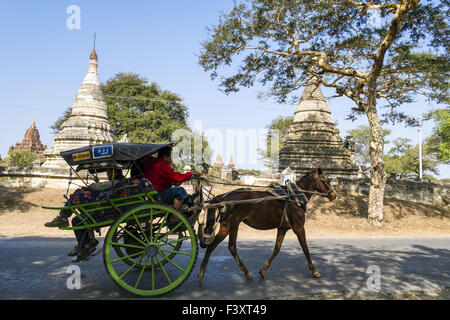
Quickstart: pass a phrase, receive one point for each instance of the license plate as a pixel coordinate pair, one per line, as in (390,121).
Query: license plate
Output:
(102,151)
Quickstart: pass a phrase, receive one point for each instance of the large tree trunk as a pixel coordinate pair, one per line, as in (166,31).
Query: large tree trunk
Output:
(377,174)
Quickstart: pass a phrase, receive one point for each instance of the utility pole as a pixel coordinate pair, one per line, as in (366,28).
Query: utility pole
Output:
(420,147)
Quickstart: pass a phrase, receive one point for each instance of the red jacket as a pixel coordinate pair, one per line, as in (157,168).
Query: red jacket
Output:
(162,175)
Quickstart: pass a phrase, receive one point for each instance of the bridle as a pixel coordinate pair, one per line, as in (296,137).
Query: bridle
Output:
(327,185)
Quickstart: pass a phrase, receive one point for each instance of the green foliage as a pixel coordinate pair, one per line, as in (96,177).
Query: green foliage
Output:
(56,127)
(277,129)
(440,140)
(402,160)
(362,137)
(249,172)
(21,159)
(274,42)
(149,116)
(191,149)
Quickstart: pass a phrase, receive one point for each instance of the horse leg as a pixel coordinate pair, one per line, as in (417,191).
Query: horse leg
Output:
(280,237)
(210,219)
(301,235)
(221,235)
(233,250)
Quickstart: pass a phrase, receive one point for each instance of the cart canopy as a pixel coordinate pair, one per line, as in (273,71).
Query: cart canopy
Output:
(117,154)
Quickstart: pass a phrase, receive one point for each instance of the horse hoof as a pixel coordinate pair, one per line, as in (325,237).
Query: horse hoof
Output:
(316,274)
(248,274)
(200,278)
(262,274)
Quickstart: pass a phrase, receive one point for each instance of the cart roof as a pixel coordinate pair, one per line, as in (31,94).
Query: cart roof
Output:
(111,154)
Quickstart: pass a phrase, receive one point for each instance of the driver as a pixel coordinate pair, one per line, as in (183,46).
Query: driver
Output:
(162,176)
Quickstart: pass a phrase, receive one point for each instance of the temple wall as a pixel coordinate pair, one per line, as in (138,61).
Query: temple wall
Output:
(424,192)
(37,177)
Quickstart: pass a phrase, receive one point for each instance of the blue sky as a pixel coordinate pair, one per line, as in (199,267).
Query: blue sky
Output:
(42,64)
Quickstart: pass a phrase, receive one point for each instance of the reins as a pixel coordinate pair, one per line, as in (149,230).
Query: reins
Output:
(262,186)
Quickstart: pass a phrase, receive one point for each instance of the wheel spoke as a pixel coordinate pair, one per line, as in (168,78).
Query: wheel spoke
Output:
(178,252)
(177,240)
(163,270)
(161,225)
(126,257)
(153,274)
(132,266)
(151,225)
(173,263)
(127,245)
(171,231)
(132,235)
(142,272)
(140,228)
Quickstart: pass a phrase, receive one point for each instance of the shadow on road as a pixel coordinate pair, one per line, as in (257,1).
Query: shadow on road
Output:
(35,268)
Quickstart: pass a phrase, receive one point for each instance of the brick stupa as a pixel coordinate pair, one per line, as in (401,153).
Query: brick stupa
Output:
(313,139)
(31,142)
(88,123)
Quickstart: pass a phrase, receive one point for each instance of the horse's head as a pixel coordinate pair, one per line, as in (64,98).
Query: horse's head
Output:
(320,183)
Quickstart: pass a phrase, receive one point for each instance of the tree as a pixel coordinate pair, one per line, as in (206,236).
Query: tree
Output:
(142,111)
(191,149)
(56,127)
(402,160)
(278,128)
(440,140)
(362,137)
(21,159)
(280,42)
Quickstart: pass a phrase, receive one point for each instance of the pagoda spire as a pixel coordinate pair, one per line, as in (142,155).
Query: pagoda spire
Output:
(313,140)
(88,122)
(312,105)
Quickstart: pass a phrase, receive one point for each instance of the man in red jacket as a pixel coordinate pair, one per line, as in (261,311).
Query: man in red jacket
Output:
(162,176)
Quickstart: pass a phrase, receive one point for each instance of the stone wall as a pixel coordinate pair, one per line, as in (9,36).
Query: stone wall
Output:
(424,192)
(37,177)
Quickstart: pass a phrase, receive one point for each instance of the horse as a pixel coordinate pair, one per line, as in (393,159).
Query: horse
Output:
(265,215)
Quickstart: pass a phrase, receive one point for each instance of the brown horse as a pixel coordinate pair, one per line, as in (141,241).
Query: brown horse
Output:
(265,215)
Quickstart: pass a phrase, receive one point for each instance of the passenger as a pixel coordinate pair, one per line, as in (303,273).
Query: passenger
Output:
(84,236)
(115,176)
(162,176)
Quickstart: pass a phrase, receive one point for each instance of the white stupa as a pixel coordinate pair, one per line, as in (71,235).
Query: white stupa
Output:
(88,123)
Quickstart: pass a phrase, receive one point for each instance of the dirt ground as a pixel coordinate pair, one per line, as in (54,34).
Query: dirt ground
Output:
(21,215)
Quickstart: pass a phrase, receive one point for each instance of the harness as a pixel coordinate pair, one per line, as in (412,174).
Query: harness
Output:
(293,194)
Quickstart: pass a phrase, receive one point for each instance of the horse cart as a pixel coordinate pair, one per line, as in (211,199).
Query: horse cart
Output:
(150,248)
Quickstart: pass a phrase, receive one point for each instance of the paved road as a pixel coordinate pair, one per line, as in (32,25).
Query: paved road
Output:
(35,268)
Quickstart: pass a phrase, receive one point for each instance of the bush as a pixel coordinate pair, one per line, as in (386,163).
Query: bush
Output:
(21,159)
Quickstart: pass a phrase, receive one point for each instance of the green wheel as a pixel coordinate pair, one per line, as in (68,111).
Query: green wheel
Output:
(160,257)
(121,237)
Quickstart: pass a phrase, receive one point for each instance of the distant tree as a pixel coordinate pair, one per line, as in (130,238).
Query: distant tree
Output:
(56,127)
(440,140)
(402,160)
(278,128)
(404,52)
(21,159)
(191,149)
(362,137)
(141,110)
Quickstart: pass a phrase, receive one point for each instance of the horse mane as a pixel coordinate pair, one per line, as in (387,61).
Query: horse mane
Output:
(306,177)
